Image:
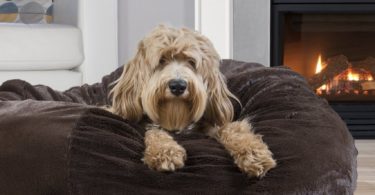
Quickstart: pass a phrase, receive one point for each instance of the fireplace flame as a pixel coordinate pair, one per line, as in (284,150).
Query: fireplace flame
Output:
(352,76)
(318,69)
(319,66)
(345,82)
(350,81)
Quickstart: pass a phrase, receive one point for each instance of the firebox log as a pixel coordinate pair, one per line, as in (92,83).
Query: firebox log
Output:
(367,64)
(368,85)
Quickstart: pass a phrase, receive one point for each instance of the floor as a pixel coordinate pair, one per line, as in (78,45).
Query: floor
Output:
(366,167)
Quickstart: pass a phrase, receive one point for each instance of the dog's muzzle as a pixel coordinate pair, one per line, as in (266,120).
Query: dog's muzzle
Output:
(177,86)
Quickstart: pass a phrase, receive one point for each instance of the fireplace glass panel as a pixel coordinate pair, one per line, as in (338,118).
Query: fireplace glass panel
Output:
(334,52)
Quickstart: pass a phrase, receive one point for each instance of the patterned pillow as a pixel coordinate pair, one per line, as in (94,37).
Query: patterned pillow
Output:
(26,11)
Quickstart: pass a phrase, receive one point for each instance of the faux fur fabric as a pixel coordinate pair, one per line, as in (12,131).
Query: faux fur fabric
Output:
(62,143)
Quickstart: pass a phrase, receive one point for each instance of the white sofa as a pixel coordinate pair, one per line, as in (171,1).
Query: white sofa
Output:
(80,47)
(41,54)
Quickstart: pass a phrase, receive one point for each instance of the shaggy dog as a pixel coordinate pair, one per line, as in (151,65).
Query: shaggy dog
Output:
(174,80)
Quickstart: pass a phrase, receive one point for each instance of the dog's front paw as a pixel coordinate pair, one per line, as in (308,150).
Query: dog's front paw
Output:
(248,150)
(255,162)
(165,157)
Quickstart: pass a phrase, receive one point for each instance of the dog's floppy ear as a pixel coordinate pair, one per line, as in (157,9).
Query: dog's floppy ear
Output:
(219,109)
(126,94)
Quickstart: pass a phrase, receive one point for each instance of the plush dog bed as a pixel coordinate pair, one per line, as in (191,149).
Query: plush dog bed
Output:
(61,142)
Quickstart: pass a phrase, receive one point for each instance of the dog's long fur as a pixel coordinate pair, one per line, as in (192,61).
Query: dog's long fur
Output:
(168,53)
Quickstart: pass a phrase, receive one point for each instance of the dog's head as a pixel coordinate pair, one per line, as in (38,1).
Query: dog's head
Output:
(174,78)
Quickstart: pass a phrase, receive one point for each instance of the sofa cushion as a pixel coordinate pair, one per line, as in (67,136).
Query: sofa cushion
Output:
(39,47)
(57,79)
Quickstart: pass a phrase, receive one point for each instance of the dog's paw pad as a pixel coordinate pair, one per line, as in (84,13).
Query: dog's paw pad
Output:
(165,158)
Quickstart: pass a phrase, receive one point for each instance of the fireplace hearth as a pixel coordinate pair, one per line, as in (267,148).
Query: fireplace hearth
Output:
(332,44)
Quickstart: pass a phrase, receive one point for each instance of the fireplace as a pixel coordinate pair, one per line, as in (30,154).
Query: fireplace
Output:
(332,44)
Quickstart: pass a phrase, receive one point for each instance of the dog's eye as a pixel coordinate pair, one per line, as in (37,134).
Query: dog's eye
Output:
(192,63)
(162,61)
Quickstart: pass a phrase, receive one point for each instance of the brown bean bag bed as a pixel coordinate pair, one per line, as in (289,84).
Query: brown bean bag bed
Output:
(62,143)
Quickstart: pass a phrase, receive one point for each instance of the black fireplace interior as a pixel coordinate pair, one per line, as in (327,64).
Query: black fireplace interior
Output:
(332,44)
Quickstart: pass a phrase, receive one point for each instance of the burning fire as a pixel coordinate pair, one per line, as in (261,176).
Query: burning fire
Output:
(318,69)
(352,76)
(345,82)
(319,66)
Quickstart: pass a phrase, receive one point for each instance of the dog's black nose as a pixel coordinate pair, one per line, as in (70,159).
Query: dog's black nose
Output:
(177,86)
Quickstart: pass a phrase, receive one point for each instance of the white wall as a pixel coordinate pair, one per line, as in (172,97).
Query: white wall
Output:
(239,29)
(138,17)
(98,22)
(214,19)
(66,12)
(251,30)
(248,20)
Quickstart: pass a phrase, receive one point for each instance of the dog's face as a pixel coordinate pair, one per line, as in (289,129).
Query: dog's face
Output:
(174,79)
(175,95)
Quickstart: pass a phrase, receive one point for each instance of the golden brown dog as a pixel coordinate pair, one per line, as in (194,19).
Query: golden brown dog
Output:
(175,80)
